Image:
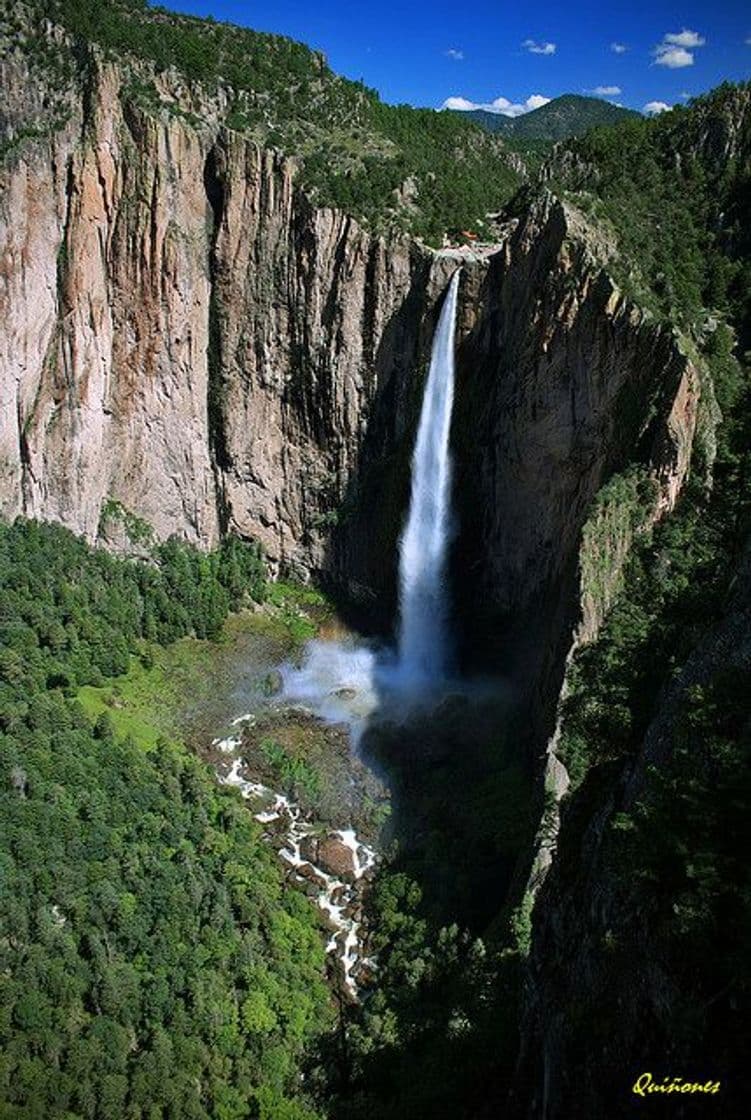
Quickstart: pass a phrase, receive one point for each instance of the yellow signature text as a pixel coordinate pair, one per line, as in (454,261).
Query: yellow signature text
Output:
(646,1083)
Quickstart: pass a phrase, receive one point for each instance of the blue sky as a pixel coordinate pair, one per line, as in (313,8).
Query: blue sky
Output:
(507,54)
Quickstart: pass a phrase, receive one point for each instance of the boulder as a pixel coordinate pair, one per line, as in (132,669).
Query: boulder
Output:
(336,858)
(308,872)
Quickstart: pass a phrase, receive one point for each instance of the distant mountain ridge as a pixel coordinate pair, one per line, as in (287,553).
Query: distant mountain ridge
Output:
(568,115)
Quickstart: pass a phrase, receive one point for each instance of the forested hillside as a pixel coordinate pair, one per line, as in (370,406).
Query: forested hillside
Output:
(655,729)
(391,166)
(676,190)
(562,117)
(151,961)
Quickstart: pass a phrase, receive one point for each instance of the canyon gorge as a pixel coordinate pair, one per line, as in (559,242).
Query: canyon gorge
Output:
(195,348)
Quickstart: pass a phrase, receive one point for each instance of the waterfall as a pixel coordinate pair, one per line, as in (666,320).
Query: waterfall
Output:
(345,682)
(423,647)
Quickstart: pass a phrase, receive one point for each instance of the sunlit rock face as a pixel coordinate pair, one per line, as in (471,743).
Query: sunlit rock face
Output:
(184,334)
(188,343)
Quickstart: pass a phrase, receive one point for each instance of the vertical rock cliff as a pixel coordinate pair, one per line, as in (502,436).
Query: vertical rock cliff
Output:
(189,339)
(185,334)
(189,343)
(190,347)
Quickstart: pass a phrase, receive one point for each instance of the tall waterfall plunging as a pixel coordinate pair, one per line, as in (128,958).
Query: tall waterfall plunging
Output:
(347,681)
(423,597)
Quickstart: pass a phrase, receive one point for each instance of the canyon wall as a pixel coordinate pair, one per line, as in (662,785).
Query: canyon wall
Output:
(611,990)
(191,348)
(185,337)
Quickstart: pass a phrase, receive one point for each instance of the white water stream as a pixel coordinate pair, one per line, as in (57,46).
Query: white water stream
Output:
(338,898)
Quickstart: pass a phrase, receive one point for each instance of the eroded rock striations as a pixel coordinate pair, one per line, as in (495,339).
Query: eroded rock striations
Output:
(191,348)
(183,333)
(187,342)
(188,339)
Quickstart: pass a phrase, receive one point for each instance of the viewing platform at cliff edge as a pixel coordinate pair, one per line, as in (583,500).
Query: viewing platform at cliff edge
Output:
(467,246)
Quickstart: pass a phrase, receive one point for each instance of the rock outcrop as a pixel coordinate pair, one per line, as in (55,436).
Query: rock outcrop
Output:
(189,347)
(606,992)
(184,334)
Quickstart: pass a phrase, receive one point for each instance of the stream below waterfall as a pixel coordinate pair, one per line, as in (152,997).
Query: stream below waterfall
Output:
(331,865)
(343,683)
(290,754)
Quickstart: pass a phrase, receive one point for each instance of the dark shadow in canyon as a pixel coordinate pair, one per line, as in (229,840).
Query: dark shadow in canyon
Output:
(545,412)
(462,771)
(461,797)
(360,569)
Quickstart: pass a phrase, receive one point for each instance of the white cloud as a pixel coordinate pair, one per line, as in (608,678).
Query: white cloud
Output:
(676,49)
(675,58)
(536,101)
(748,41)
(500,105)
(618,48)
(452,52)
(538,48)
(460,103)
(605,91)
(685,38)
(653,108)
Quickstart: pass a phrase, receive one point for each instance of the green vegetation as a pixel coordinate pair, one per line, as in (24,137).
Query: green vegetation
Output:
(563,117)
(675,860)
(114,513)
(686,222)
(674,863)
(136,706)
(151,962)
(148,702)
(688,840)
(300,609)
(437,1037)
(450,172)
(673,587)
(681,207)
(619,512)
(291,772)
(390,166)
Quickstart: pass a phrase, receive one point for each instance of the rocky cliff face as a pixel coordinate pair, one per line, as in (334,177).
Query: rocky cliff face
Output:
(188,339)
(190,344)
(612,990)
(563,384)
(184,334)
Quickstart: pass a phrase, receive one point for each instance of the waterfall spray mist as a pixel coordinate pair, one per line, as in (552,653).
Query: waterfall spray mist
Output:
(423,598)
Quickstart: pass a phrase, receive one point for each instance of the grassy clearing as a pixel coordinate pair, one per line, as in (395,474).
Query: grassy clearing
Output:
(144,704)
(193,682)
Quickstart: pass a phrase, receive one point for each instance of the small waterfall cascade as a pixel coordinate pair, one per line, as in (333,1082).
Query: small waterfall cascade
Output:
(423,599)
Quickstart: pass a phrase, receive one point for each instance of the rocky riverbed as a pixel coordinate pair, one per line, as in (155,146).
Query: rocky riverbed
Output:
(321,809)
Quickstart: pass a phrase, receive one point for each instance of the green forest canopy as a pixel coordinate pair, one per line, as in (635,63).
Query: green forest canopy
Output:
(152,964)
